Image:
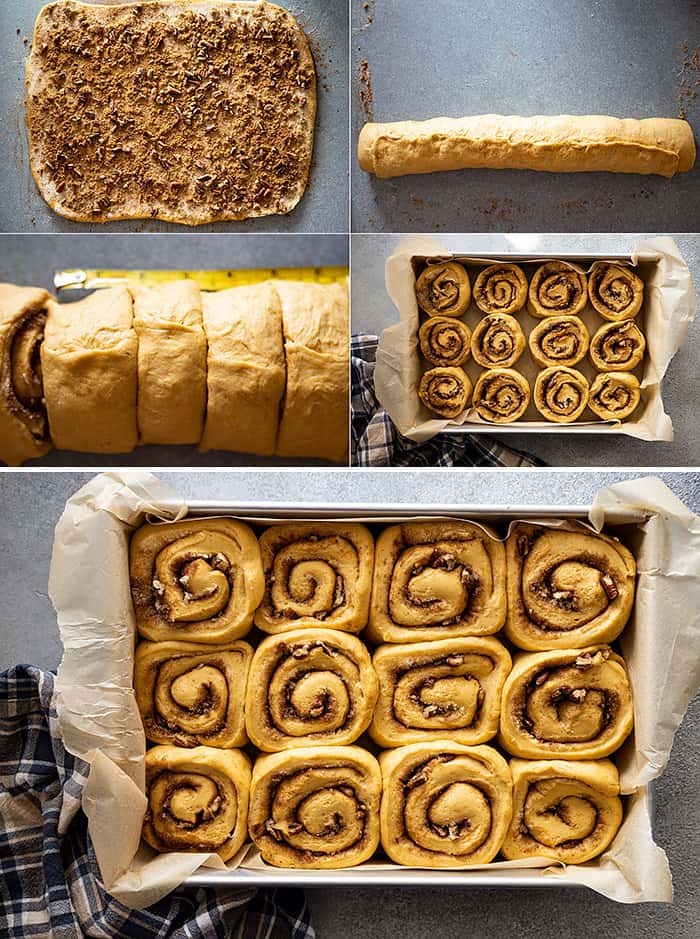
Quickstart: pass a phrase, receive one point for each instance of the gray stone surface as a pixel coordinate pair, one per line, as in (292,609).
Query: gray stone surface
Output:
(373,311)
(30,504)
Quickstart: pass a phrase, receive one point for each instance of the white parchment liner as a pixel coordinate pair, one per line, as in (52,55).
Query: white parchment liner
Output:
(99,719)
(669,308)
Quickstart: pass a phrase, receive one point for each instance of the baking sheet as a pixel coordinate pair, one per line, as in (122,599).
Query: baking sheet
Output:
(324,207)
(623,58)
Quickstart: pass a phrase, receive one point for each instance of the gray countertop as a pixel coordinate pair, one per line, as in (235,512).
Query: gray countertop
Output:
(324,207)
(28,633)
(623,58)
(373,311)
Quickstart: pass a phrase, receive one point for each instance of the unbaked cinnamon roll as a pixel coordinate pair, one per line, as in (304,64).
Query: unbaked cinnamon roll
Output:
(446,688)
(443,289)
(309,687)
(617,347)
(556,289)
(501,288)
(566,589)
(444,804)
(316,574)
(197,800)
(316,807)
(559,340)
(498,341)
(199,579)
(501,396)
(575,704)
(561,394)
(437,580)
(191,695)
(569,811)
(444,341)
(616,292)
(445,391)
(614,396)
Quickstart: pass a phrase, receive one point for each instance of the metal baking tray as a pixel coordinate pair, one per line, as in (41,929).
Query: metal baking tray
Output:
(362,876)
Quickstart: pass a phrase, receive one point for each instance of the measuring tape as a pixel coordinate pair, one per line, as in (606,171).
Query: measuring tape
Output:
(206,280)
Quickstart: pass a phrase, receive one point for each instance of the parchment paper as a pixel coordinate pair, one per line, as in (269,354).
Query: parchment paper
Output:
(99,720)
(668,309)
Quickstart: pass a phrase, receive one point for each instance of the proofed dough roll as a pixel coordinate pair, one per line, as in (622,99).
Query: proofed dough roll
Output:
(559,340)
(498,341)
(614,396)
(445,391)
(444,804)
(191,695)
(316,807)
(617,347)
(501,288)
(570,703)
(199,580)
(437,580)
(315,416)
(557,289)
(561,394)
(443,289)
(24,432)
(172,360)
(431,690)
(245,369)
(197,800)
(557,144)
(569,811)
(616,292)
(310,687)
(566,588)
(501,395)
(316,574)
(444,341)
(89,362)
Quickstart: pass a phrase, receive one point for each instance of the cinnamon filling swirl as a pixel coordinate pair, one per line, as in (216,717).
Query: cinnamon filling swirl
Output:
(501,288)
(614,396)
(561,394)
(445,391)
(615,292)
(617,347)
(444,289)
(559,340)
(444,341)
(498,341)
(557,288)
(501,396)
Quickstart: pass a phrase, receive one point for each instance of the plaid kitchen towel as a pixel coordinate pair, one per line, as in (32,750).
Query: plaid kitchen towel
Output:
(377,442)
(49,880)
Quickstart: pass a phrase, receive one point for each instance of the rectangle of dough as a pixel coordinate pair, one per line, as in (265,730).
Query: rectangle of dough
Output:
(89,363)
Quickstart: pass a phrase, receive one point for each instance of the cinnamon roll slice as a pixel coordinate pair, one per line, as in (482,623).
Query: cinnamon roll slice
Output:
(316,574)
(615,292)
(191,695)
(559,340)
(614,396)
(445,391)
(316,807)
(199,580)
(617,347)
(24,432)
(446,688)
(309,687)
(570,811)
(566,589)
(444,289)
(501,396)
(444,804)
(501,288)
(556,289)
(497,341)
(444,341)
(437,580)
(197,800)
(571,703)
(561,394)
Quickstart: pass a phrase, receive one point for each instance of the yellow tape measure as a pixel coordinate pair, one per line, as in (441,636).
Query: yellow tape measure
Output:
(206,280)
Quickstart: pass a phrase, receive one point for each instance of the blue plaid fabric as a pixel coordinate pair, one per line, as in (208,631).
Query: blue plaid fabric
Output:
(377,442)
(49,880)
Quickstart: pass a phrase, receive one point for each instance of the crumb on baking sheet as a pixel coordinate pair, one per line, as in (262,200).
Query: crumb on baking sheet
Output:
(366,96)
(688,79)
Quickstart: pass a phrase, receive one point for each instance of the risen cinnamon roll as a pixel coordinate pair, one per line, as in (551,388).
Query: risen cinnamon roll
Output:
(437,580)
(557,288)
(498,341)
(447,688)
(614,396)
(316,807)
(445,391)
(316,574)
(444,804)
(571,703)
(309,687)
(616,292)
(617,347)
(561,394)
(559,340)
(501,396)
(199,579)
(444,341)
(566,588)
(443,289)
(197,800)
(501,288)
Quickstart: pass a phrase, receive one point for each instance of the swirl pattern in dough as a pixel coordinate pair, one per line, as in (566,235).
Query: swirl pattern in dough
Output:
(444,289)
(501,288)
(445,341)
(614,396)
(615,292)
(617,347)
(561,394)
(559,340)
(557,289)
(501,396)
(498,341)
(445,391)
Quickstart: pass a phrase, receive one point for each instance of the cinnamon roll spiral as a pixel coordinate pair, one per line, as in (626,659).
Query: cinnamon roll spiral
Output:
(431,690)
(316,808)
(617,347)
(615,292)
(559,340)
(199,579)
(501,396)
(444,804)
(497,341)
(197,800)
(445,391)
(557,289)
(571,703)
(561,394)
(614,396)
(316,573)
(443,289)
(309,687)
(566,588)
(437,580)
(444,341)
(501,288)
